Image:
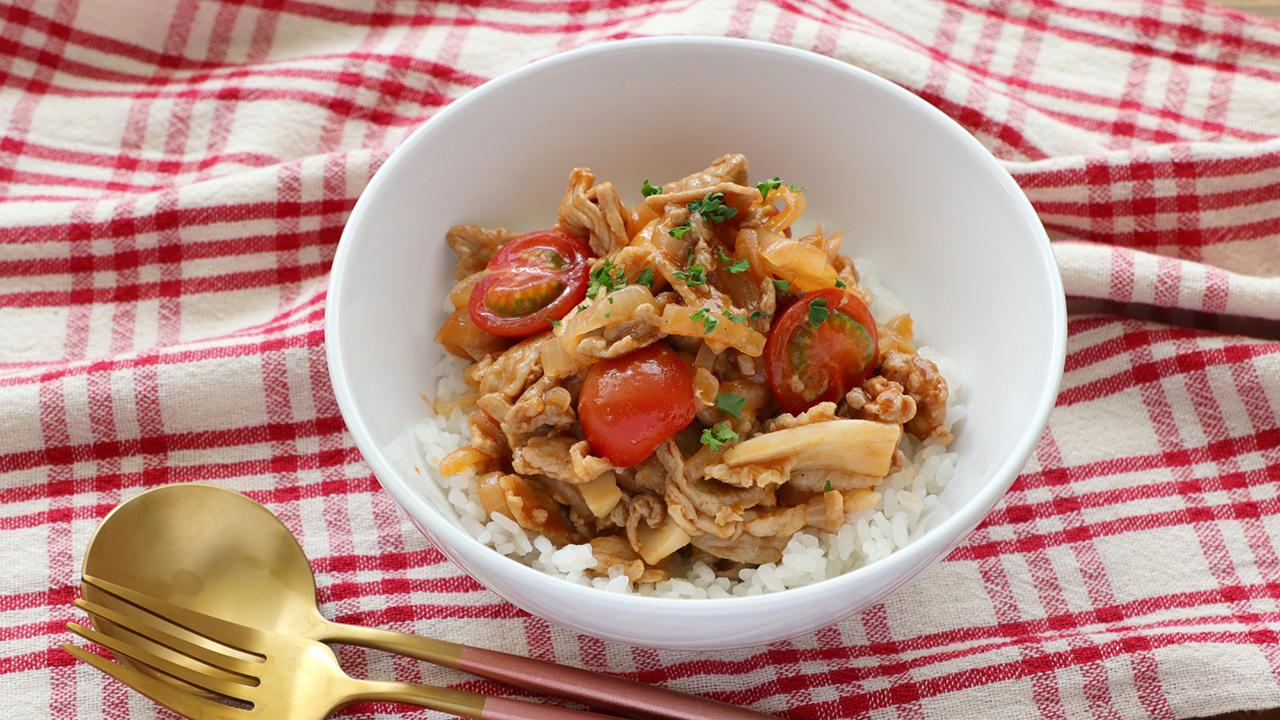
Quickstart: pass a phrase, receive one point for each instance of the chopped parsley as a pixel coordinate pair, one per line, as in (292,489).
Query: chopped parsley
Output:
(818,311)
(827,487)
(607,313)
(781,284)
(693,275)
(759,315)
(730,403)
(734,318)
(608,276)
(718,436)
(729,264)
(646,189)
(555,323)
(712,208)
(704,316)
(678,231)
(610,299)
(840,283)
(767,185)
(645,277)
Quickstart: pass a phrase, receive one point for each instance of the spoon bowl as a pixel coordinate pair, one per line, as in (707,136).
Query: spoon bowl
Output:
(208,549)
(220,554)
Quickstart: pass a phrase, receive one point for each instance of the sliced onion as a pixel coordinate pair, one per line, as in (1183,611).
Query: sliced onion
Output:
(560,357)
(558,362)
(804,265)
(678,320)
(793,206)
(460,295)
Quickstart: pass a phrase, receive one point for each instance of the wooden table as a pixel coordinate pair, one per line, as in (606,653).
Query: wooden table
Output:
(1265,8)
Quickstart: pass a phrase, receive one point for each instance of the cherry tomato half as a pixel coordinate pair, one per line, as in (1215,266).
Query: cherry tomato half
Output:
(532,280)
(819,354)
(630,405)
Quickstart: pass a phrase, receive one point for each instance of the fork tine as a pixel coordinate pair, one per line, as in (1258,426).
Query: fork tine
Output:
(204,681)
(176,699)
(234,667)
(228,633)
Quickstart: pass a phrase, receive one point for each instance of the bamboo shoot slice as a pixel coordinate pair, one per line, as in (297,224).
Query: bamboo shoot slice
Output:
(602,494)
(857,446)
(658,543)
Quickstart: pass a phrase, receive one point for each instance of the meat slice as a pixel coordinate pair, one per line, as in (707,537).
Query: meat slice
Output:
(726,168)
(563,458)
(743,548)
(474,246)
(925,384)
(882,400)
(640,508)
(739,197)
(699,504)
(543,406)
(612,551)
(511,372)
(594,212)
(822,412)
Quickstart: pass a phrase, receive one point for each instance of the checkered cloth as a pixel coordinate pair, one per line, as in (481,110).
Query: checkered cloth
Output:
(174,177)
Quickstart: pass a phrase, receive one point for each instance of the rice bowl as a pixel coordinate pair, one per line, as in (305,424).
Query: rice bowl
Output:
(946,225)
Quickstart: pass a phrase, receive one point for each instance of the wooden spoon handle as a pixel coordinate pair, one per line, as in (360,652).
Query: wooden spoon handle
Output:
(597,690)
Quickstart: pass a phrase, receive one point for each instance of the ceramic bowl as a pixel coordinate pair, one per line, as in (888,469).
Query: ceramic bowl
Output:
(951,233)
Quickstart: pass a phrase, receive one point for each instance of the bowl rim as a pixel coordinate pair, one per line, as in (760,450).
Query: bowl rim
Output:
(921,551)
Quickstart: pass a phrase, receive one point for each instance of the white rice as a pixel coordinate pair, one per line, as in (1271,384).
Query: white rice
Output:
(866,536)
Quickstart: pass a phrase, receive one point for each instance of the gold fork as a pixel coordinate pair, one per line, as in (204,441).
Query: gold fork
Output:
(270,675)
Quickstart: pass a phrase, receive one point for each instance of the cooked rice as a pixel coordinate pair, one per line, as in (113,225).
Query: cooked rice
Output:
(906,497)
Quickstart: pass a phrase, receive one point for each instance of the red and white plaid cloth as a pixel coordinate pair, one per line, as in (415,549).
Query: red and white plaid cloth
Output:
(174,177)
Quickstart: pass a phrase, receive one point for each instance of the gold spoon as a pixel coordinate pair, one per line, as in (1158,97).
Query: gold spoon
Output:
(219,553)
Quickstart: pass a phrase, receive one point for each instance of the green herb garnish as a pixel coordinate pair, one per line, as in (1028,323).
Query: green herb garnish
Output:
(759,315)
(718,436)
(646,189)
(767,185)
(555,323)
(730,403)
(704,316)
(712,208)
(733,317)
(840,283)
(678,231)
(729,264)
(781,284)
(693,275)
(827,487)
(818,311)
(645,277)
(608,276)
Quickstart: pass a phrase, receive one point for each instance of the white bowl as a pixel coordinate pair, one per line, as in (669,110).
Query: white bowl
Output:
(952,234)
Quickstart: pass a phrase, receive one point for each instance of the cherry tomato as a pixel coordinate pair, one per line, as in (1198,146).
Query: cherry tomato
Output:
(630,405)
(532,280)
(813,356)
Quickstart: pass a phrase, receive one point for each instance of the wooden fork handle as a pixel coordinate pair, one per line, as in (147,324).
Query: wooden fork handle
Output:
(459,702)
(597,690)
(496,708)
